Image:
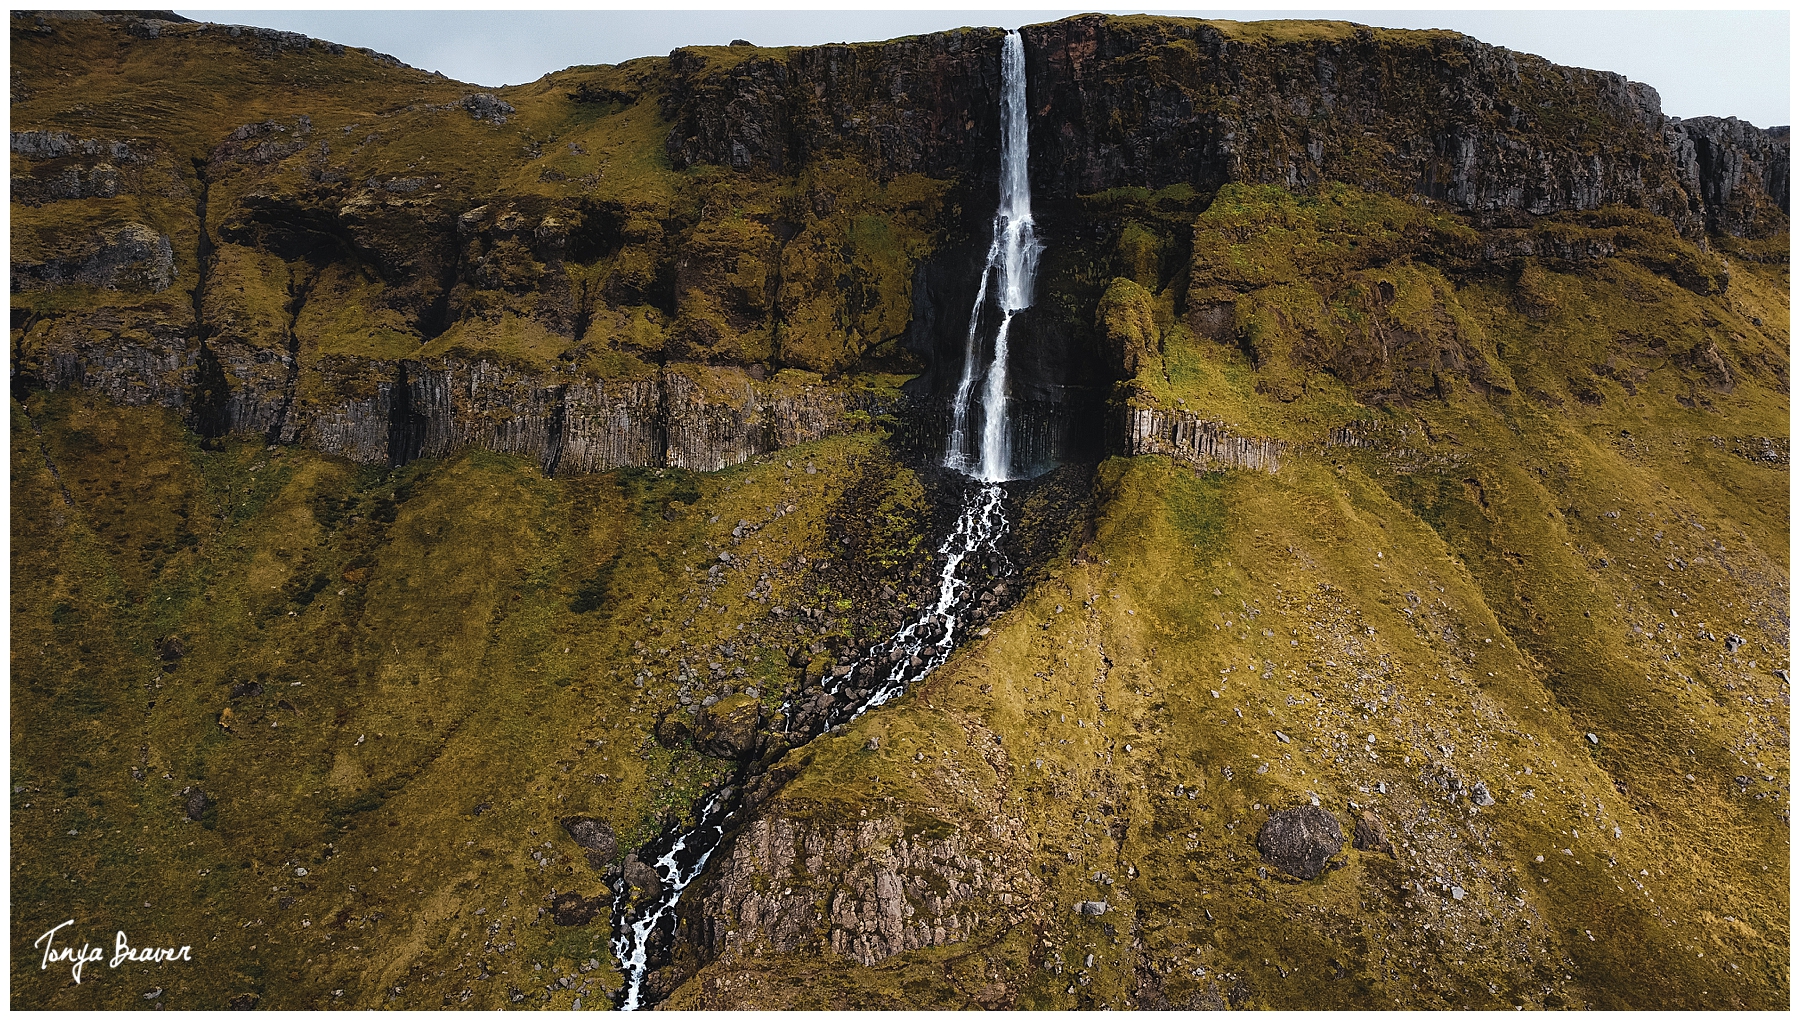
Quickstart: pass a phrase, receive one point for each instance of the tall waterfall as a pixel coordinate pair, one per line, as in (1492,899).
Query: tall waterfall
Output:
(1011,271)
(643,930)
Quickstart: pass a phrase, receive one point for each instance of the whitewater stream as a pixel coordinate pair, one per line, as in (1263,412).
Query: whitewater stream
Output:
(983,453)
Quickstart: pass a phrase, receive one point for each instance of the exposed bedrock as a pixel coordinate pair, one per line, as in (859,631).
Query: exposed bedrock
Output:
(698,417)
(886,886)
(1151,102)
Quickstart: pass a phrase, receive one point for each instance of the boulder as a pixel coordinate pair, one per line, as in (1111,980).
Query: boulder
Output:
(593,836)
(671,730)
(642,877)
(729,728)
(574,909)
(1299,841)
(197,803)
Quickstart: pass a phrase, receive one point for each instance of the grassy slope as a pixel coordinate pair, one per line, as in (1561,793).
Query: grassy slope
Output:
(419,655)
(444,653)
(1510,575)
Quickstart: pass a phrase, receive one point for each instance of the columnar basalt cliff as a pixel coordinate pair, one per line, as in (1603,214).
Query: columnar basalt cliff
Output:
(433,505)
(310,252)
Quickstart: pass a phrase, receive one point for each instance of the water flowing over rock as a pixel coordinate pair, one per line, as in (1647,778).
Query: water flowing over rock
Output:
(1007,282)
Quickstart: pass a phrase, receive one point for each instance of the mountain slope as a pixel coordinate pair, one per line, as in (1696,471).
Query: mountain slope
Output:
(423,496)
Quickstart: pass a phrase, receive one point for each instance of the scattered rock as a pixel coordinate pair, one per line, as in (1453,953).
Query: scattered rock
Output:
(485,106)
(1480,794)
(1299,841)
(1091,907)
(197,803)
(1592,739)
(1733,643)
(1371,834)
(171,649)
(246,689)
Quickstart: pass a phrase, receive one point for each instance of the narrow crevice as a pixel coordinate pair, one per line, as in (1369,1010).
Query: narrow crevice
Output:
(662,417)
(406,426)
(44,449)
(299,288)
(559,415)
(209,399)
(584,312)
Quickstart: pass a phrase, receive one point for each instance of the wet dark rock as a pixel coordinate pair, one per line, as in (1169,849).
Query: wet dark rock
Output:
(641,877)
(1299,841)
(1371,834)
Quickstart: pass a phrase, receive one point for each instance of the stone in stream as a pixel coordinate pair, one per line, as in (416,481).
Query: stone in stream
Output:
(642,877)
(1299,841)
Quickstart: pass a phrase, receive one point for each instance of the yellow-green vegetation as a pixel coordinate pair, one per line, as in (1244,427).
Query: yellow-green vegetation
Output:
(381,212)
(1513,609)
(1572,522)
(397,682)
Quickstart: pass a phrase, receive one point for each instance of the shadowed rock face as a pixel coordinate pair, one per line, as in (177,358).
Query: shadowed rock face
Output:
(1299,841)
(1490,132)
(922,105)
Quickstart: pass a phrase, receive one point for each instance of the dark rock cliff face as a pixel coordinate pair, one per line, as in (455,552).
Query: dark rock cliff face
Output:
(921,105)
(832,221)
(1143,102)
(1493,133)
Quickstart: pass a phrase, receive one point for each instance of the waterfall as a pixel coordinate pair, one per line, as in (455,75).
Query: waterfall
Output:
(1011,271)
(679,854)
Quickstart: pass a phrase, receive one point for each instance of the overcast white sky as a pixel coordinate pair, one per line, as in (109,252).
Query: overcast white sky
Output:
(1724,63)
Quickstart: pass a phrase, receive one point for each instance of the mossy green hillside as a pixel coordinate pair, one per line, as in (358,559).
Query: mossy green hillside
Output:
(396,681)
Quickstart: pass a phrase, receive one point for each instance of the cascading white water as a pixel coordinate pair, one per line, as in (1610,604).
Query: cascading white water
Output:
(1011,269)
(679,854)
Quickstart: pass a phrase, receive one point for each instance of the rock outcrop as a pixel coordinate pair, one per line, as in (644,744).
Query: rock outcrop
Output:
(1499,135)
(1300,841)
(887,888)
(1185,436)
